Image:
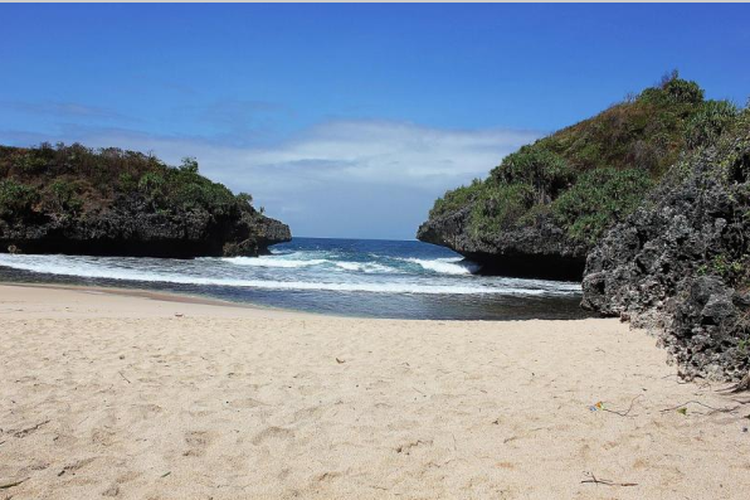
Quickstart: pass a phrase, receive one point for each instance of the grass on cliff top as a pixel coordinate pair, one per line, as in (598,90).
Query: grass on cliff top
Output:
(588,176)
(70,180)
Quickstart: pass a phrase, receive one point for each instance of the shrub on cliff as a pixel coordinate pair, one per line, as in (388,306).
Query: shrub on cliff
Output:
(456,199)
(62,196)
(17,200)
(498,206)
(600,198)
(191,191)
(708,124)
(544,171)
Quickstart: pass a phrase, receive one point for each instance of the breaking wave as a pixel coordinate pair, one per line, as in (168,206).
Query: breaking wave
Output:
(303,271)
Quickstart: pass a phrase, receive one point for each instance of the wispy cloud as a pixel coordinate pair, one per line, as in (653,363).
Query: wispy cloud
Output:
(399,166)
(63,110)
(382,152)
(235,122)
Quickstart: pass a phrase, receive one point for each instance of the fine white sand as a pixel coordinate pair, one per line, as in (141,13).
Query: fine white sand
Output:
(114,395)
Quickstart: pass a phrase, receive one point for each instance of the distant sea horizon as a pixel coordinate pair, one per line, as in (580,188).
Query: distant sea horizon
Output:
(400,279)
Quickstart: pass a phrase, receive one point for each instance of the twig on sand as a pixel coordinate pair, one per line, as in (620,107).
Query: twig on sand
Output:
(11,484)
(713,410)
(29,430)
(624,413)
(606,482)
(124,378)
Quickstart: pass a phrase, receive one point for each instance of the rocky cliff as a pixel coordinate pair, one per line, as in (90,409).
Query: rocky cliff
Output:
(71,199)
(681,263)
(542,250)
(544,207)
(648,203)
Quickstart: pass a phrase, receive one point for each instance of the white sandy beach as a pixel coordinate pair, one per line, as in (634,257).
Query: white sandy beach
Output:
(136,397)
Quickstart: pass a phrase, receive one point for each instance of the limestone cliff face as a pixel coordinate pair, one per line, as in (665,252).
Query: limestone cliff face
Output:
(78,201)
(681,263)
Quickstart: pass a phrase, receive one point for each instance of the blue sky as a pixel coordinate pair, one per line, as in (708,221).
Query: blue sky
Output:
(346,120)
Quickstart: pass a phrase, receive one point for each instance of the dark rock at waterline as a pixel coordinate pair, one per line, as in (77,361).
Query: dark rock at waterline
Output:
(129,228)
(543,251)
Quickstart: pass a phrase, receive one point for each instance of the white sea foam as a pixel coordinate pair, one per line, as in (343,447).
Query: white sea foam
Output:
(125,269)
(287,263)
(273,261)
(350,266)
(450,265)
(366,267)
(557,286)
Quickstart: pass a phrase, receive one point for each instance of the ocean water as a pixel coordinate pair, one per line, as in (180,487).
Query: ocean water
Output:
(370,278)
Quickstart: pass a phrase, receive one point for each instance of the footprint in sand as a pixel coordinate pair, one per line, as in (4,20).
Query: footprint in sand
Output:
(103,437)
(197,442)
(112,491)
(272,433)
(74,467)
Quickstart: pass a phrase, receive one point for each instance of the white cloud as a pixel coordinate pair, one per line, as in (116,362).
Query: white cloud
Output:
(391,153)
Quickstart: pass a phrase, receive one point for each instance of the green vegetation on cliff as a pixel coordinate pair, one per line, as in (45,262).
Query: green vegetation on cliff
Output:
(67,180)
(73,199)
(591,175)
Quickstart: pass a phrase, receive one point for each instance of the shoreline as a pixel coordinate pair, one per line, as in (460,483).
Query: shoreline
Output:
(158,295)
(184,297)
(96,300)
